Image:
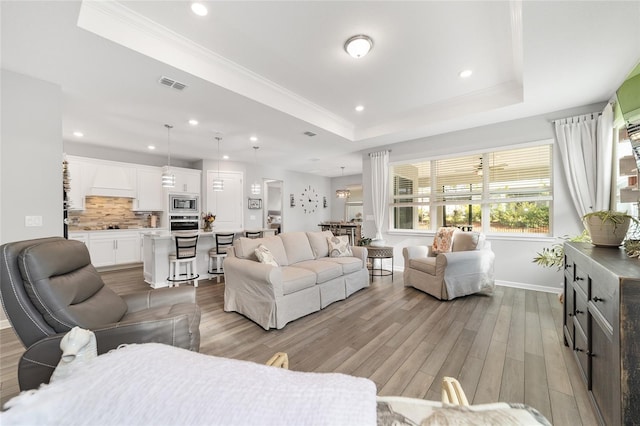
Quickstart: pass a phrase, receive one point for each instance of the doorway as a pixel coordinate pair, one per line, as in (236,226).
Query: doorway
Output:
(273,203)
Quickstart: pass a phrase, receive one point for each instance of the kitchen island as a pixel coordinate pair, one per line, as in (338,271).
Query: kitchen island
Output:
(158,245)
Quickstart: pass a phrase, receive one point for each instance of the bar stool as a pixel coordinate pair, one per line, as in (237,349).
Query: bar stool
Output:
(219,252)
(253,234)
(185,255)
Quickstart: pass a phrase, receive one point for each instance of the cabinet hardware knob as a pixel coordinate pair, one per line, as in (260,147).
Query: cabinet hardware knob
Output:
(570,314)
(579,279)
(597,299)
(568,266)
(578,312)
(578,349)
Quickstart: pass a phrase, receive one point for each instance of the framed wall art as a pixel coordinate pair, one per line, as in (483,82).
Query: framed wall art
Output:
(255,203)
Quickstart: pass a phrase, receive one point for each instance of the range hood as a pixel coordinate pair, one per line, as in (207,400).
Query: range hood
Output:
(112,181)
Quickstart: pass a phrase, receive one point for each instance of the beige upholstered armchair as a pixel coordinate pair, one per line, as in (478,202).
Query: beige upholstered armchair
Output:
(466,269)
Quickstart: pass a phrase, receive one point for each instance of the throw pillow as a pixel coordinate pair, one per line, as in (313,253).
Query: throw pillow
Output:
(443,240)
(264,255)
(339,246)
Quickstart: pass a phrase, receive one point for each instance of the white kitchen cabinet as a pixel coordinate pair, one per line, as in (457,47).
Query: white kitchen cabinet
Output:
(79,236)
(114,248)
(78,174)
(187,181)
(149,195)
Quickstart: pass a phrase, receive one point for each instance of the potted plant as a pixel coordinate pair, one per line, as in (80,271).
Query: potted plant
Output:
(554,255)
(607,228)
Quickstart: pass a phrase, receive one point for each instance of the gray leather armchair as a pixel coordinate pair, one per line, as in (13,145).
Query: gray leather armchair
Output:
(48,286)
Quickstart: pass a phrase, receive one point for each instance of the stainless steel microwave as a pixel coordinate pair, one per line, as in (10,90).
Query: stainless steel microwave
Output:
(179,203)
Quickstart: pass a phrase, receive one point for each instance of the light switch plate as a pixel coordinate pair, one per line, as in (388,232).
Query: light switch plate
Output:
(33,221)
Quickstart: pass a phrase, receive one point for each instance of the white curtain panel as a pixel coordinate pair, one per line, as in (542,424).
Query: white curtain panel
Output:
(586,149)
(379,188)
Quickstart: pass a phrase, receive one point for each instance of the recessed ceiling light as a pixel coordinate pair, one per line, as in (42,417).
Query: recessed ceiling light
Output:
(199,9)
(225,157)
(360,108)
(465,73)
(151,147)
(253,139)
(358,45)
(193,122)
(78,134)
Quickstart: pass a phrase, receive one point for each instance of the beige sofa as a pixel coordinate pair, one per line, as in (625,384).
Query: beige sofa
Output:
(467,269)
(305,281)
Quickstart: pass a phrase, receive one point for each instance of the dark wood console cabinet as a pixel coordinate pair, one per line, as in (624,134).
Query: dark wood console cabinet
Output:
(602,327)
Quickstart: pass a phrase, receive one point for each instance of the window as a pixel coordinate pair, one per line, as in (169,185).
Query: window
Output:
(506,192)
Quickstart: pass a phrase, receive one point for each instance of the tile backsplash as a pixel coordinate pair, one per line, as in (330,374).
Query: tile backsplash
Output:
(102,212)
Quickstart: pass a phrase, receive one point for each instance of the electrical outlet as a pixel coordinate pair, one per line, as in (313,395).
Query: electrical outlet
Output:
(33,221)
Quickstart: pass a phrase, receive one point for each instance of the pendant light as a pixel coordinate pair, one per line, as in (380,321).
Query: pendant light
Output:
(218,183)
(343,193)
(168,179)
(255,186)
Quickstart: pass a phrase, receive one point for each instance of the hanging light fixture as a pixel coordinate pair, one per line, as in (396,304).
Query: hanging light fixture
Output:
(218,183)
(255,186)
(343,193)
(168,179)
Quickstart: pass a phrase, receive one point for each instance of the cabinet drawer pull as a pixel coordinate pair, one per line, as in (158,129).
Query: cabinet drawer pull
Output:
(579,279)
(568,266)
(578,312)
(598,299)
(578,349)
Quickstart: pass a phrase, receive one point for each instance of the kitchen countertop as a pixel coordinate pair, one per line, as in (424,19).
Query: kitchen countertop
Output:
(92,231)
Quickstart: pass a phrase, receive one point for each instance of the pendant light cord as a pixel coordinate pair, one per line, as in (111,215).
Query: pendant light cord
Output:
(169,127)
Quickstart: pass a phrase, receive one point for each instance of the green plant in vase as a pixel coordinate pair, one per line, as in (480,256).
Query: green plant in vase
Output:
(607,228)
(553,256)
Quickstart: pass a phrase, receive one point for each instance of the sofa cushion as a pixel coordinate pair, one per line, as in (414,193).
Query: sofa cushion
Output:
(264,255)
(295,279)
(319,244)
(348,264)
(339,246)
(443,240)
(324,271)
(465,241)
(425,264)
(297,246)
(244,248)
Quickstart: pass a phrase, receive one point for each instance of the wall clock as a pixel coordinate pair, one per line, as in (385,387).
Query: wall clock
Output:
(309,200)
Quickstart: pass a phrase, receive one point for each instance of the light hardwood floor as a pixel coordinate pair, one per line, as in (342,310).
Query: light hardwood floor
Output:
(504,347)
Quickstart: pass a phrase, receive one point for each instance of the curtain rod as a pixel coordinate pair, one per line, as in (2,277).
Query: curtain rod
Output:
(369,154)
(577,118)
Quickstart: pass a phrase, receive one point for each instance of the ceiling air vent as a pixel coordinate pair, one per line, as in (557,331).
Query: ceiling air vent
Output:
(310,134)
(166,81)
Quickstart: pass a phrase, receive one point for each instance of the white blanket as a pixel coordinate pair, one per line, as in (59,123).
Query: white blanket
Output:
(157,384)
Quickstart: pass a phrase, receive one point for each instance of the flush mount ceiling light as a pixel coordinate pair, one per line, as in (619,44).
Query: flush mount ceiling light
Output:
(168,179)
(199,9)
(151,147)
(360,108)
(343,193)
(358,45)
(218,183)
(465,73)
(253,139)
(193,122)
(78,134)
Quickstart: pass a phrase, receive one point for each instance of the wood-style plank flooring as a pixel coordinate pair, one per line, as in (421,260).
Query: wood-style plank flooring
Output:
(504,347)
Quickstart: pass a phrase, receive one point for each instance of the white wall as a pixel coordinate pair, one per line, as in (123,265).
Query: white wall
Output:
(293,218)
(513,256)
(31,159)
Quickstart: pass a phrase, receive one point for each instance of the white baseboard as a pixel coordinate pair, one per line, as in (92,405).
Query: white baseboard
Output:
(4,324)
(534,287)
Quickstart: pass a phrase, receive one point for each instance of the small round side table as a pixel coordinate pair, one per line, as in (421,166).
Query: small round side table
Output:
(380,253)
